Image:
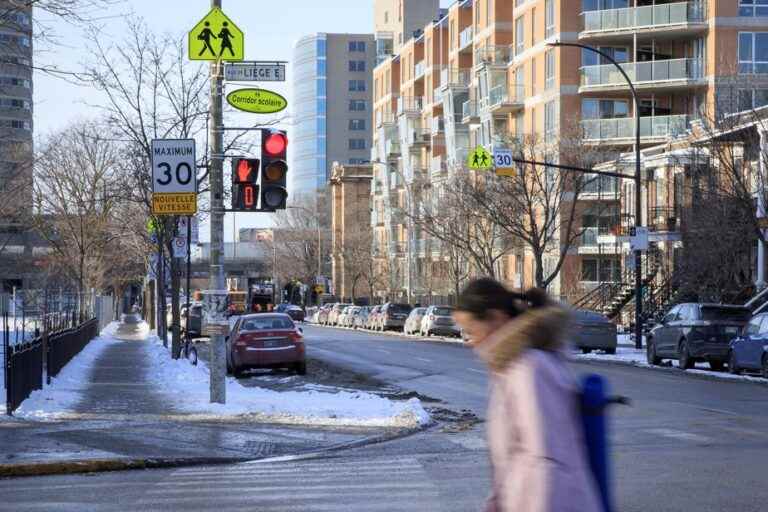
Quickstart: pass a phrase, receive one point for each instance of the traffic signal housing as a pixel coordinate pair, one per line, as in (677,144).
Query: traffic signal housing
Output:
(245,187)
(274,170)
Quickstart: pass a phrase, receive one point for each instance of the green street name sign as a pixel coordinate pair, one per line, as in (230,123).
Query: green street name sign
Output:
(257,101)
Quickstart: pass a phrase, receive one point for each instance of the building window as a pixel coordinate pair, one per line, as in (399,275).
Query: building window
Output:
(14,82)
(753,8)
(386,16)
(357,105)
(549,15)
(519,76)
(519,35)
(602,270)
(550,117)
(533,76)
(752,98)
(357,124)
(549,69)
(14,104)
(604,109)
(357,46)
(357,85)
(357,65)
(356,143)
(357,161)
(753,52)
(16,124)
(533,26)
(518,3)
(488,13)
(519,125)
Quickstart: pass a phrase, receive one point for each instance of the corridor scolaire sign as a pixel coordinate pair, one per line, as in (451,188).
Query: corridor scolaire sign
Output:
(257,101)
(216,38)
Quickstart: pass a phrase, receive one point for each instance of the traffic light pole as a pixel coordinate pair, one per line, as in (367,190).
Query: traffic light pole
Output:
(217,357)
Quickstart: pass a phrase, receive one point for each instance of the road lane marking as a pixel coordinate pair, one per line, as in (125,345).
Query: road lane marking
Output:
(680,435)
(476,371)
(383,351)
(424,359)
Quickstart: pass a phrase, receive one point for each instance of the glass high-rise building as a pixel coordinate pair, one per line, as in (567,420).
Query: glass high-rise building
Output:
(332,95)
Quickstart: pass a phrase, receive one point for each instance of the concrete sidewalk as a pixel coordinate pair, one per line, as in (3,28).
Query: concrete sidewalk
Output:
(122,421)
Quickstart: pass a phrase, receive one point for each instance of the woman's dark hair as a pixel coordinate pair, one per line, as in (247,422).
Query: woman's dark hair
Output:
(483,295)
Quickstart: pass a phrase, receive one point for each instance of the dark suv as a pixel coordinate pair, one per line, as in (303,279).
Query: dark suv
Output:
(693,332)
(393,316)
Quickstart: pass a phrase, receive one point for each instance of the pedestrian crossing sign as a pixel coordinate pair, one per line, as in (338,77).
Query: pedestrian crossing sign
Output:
(480,159)
(216,38)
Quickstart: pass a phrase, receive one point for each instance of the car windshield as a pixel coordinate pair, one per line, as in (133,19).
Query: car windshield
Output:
(419,311)
(442,311)
(266,323)
(716,314)
(399,308)
(589,316)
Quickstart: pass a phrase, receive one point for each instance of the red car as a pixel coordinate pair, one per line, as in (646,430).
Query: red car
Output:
(268,340)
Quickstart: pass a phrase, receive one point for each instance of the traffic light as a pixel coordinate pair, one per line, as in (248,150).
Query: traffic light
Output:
(245,188)
(274,170)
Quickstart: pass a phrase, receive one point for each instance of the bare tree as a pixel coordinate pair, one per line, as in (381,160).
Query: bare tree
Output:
(77,190)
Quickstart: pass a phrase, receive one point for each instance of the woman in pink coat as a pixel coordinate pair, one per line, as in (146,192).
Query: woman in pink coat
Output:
(535,435)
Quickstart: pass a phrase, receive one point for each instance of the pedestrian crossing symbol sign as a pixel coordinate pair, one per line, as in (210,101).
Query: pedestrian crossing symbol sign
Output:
(480,159)
(216,38)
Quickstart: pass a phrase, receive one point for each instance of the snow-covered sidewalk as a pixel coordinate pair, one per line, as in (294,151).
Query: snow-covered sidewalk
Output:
(635,357)
(182,390)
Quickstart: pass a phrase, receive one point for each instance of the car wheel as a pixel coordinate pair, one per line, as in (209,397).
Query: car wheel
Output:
(650,351)
(237,372)
(301,368)
(585,350)
(716,365)
(765,366)
(611,351)
(192,356)
(732,366)
(685,361)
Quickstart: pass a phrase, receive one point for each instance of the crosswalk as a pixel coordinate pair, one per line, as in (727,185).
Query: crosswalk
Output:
(318,485)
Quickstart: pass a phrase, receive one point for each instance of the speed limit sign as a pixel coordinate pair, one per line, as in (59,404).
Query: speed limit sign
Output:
(174,177)
(503,162)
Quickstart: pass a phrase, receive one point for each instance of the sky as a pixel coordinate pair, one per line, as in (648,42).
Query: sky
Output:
(271,30)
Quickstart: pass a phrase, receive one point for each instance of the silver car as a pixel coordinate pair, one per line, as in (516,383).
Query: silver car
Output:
(439,320)
(593,331)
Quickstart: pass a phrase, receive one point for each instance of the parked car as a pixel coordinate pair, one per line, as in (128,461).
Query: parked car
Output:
(413,322)
(361,318)
(749,351)
(373,318)
(439,320)
(693,332)
(593,331)
(346,315)
(392,316)
(336,310)
(322,314)
(266,340)
(295,312)
(192,320)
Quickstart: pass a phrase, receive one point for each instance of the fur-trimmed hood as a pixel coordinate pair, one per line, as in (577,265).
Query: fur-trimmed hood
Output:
(541,328)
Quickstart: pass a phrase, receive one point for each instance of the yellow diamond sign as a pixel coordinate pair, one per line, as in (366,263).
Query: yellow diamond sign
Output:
(215,37)
(480,159)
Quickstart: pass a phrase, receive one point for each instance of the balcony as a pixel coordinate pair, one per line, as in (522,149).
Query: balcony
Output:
(470,112)
(494,55)
(455,78)
(465,39)
(384,118)
(392,149)
(398,247)
(438,168)
(504,99)
(622,130)
(677,19)
(657,74)
(437,96)
(438,126)
(593,241)
(419,70)
(664,219)
(410,105)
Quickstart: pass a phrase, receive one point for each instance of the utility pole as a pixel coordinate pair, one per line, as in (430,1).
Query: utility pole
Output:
(217,356)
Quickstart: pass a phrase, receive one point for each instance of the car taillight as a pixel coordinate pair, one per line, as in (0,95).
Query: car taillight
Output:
(296,337)
(240,342)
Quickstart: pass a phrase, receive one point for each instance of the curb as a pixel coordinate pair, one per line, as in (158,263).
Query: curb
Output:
(670,369)
(73,467)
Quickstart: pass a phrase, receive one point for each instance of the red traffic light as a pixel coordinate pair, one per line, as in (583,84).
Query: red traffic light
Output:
(275,144)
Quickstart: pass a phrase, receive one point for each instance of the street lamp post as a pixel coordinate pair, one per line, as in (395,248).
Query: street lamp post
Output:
(638,183)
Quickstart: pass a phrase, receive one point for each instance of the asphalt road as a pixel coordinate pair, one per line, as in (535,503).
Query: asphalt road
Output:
(685,444)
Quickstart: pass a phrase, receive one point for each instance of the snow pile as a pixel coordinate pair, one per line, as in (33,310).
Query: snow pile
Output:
(188,391)
(635,357)
(66,390)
